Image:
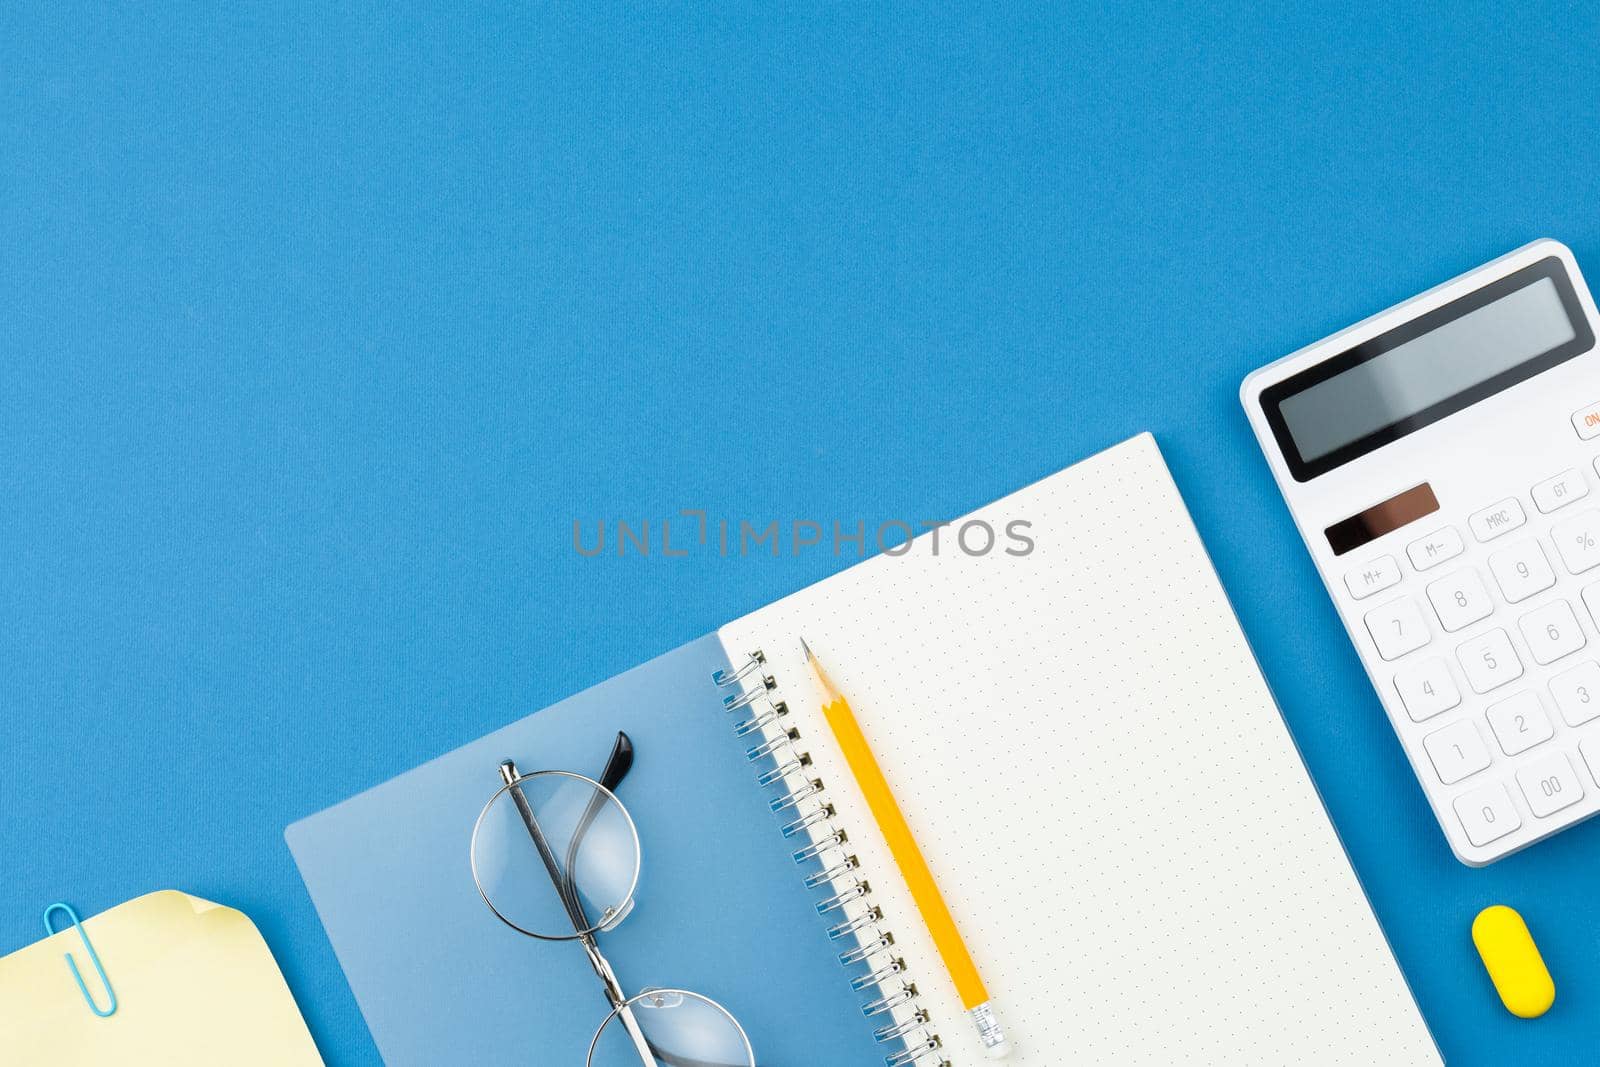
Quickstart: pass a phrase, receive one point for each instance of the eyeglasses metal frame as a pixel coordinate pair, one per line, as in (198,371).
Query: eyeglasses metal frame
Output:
(622,1006)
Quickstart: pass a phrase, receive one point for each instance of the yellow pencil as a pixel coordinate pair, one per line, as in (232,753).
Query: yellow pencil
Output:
(913,868)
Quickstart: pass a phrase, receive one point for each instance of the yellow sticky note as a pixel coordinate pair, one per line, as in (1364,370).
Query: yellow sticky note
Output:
(195,985)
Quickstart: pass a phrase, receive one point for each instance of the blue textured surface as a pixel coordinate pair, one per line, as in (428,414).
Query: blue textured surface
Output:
(322,324)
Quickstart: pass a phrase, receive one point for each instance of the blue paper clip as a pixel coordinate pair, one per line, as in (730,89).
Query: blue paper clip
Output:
(94,958)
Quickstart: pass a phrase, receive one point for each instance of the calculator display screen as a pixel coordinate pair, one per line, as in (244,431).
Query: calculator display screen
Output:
(1426,369)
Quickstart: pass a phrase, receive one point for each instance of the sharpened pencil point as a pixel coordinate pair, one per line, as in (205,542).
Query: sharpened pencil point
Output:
(829,690)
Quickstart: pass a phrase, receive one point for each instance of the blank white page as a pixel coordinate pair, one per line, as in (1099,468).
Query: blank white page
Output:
(1097,773)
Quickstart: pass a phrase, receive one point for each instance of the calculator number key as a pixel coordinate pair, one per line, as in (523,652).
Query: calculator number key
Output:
(1460,600)
(1487,814)
(1426,689)
(1556,493)
(1577,693)
(1591,600)
(1522,570)
(1397,628)
(1519,723)
(1456,751)
(1552,632)
(1549,785)
(1578,541)
(1489,661)
(1498,519)
(1444,543)
(1374,577)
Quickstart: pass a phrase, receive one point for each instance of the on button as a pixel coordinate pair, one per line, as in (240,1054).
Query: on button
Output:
(1587,421)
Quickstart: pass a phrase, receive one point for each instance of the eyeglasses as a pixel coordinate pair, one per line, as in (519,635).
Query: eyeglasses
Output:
(555,856)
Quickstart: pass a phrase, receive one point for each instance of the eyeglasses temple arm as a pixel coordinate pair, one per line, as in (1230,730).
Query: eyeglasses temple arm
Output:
(619,763)
(617,766)
(509,775)
(608,977)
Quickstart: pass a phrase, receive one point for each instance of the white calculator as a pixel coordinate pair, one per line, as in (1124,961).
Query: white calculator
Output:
(1442,461)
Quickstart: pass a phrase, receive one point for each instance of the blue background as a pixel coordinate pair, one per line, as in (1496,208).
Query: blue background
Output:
(323,323)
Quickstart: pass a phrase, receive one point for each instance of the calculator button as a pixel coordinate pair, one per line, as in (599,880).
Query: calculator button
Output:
(1578,541)
(1586,421)
(1426,689)
(1373,577)
(1502,518)
(1591,755)
(1456,752)
(1550,785)
(1577,693)
(1591,600)
(1397,628)
(1522,570)
(1556,493)
(1552,632)
(1487,814)
(1489,661)
(1519,723)
(1460,599)
(1434,549)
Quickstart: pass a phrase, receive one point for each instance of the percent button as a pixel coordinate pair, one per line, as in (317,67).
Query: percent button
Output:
(1578,541)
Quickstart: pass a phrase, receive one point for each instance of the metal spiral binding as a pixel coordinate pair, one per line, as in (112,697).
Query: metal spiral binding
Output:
(865,950)
(800,797)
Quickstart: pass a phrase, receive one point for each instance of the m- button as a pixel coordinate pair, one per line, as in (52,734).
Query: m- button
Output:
(1444,543)
(1497,519)
(1374,576)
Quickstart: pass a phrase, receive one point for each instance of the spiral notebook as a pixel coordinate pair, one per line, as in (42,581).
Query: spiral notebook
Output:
(1080,739)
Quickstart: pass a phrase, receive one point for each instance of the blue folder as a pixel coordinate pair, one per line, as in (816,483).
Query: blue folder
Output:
(720,905)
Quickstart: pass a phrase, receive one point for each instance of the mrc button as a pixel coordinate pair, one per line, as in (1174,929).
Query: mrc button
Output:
(1586,420)
(1497,519)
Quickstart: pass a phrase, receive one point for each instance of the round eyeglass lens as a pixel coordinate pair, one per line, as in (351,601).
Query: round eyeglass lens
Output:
(556,855)
(670,1028)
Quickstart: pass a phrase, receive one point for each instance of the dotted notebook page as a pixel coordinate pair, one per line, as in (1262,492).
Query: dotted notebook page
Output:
(1099,778)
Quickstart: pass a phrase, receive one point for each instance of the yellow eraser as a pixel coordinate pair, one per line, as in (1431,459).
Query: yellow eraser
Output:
(1513,962)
